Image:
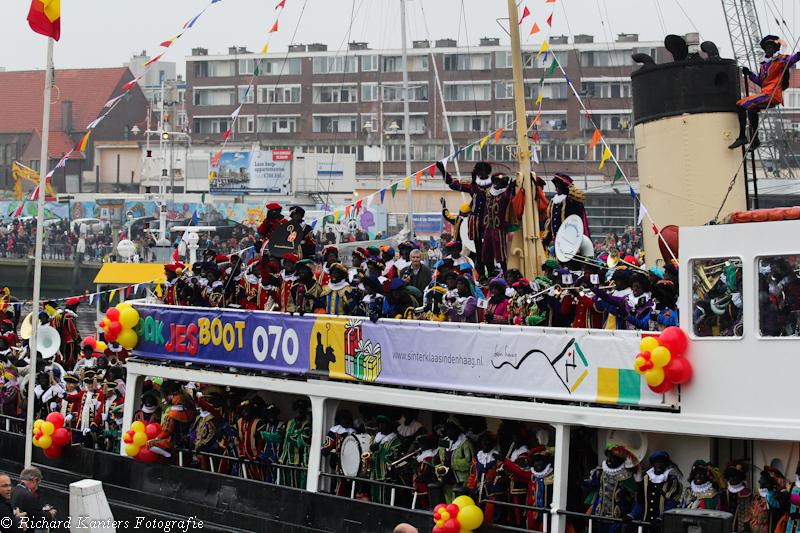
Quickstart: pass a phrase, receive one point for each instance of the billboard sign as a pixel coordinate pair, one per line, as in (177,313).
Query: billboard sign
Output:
(261,172)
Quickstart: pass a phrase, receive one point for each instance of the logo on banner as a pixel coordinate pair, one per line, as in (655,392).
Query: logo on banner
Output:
(570,365)
(362,359)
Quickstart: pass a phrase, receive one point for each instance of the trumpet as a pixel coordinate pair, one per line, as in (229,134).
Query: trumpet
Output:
(442,471)
(614,259)
(558,289)
(403,461)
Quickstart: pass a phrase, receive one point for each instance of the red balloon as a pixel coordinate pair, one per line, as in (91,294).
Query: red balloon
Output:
(437,529)
(112,314)
(101,325)
(53,452)
(663,388)
(679,370)
(670,234)
(453,509)
(674,339)
(136,457)
(130,432)
(111,337)
(451,526)
(146,455)
(152,431)
(115,328)
(127,439)
(437,516)
(56,418)
(90,341)
(61,436)
(646,355)
(440,507)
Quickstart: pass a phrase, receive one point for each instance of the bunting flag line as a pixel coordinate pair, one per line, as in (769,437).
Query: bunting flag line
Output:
(394,190)
(335,216)
(642,212)
(550,20)
(407,181)
(595,138)
(553,65)
(264,51)
(227,133)
(358,206)
(153,60)
(617,175)
(483,141)
(419,177)
(655,229)
(370,198)
(191,22)
(497,135)
(274,28)
(215,160)
(606,155)
(383,193)
(525,13)
(535,155)
(633,195)
(95,122)
(539,100)
(168,43)
(469,150)
(111,102)
(535,29)
(128,86)
(545,48)
(82,144)
(282,4)
(236,113)
(347,212)
(455,155)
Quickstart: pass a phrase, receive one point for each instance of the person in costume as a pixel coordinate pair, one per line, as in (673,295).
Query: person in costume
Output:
(358,258)
(612,487)
(581,302)
(389,270)
(794,503)
(332,446)
(272,221)
(768,508)
(205,429)
(453,250)
(477,209)
(296,445)
(616,306)
(227,442)
(659,490)
(69,409)
(773,78)
(495,243)
(405,248)
(306,286)
(251,294)
(567,201)
(89,402)
(461,307)
(454,458)
(424,472)
(250,445)
(66,325)
(330,257)
(736,497)
(337,297)
(47,392)
(285,281)
(371,305)
(387,447)
(703,492)
(8,331)
(398,302)
(308,242)
(486,481)
(175,425)
(497,311)
(211,295)
(152,408)
(274,433)
(458,221)
(375,267)
(115,349)
(109,417)
(538,474)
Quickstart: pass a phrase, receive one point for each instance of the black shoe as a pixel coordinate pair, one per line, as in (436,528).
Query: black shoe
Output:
(741,141)
(755,144)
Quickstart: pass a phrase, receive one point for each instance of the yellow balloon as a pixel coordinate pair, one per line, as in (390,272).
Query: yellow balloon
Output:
(137,427)
(445,515)
(38,423)
(129,317)
(47,428)
(122,306)
(470,517)
(45,442)
(132,450)
(139,438)
(648,344)
(440,522)
(101,346)
(463,501)
(128,338)
(660,356)
(654,376)
(106,321)
(36,443)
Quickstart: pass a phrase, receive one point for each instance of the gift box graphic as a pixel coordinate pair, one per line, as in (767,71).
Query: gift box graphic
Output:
(368,361)
(352,336)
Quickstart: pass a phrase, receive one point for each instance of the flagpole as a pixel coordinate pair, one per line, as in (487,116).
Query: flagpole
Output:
(37,272)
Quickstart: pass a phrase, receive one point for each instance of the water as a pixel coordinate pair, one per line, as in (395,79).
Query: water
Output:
(87,319)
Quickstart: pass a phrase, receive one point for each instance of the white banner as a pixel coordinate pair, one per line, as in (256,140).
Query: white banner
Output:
(252,172)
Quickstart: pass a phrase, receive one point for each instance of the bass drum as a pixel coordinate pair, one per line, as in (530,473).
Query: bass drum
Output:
(350,454)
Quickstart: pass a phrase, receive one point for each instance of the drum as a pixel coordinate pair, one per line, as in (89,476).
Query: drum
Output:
(350,453)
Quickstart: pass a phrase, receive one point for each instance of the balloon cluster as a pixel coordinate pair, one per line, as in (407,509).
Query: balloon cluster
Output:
(50,435)
(136,438)
(660,361)
(119,323)
(97,346)
(461,516)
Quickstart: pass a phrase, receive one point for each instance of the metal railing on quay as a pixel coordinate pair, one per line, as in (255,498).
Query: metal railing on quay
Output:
(393,486)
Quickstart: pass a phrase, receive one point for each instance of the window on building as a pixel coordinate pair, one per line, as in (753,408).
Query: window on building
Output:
(9,154)
(277,124)
(419,124)
(468,92)
(212,125)
(778,287)
(280,67)
(624,152)
(369,92)
(503,119)
(126,133)
(608,122)
(369,63)
(470,123)
(606,89)
(280,94)
(553,122)
(34,165)
(214,97)
(395,63)
(247,66)
(337,124)
(246,95)
(213,69)
(614,58)
(181,95)
(503,90)
(717,307)
(468,62)
(427,152)
(394,93)
(246,124)
(502,59)
(326,95)
(335,64)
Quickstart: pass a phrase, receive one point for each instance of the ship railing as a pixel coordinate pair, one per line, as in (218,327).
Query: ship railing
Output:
(394,487)
(238,460)
(8,420)
(640,525)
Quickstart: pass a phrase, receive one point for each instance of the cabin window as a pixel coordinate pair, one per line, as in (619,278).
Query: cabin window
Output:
(779,296)
(717,297)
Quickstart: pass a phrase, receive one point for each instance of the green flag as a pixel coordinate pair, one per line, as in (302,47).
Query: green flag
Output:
(541,80)
(469,150)
(394,189)
(552,68)
(617,175)
(256,72)
(203,198)
(324,221)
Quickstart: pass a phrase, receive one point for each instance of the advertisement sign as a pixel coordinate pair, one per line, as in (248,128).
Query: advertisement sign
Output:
(251,172)
(330,169)
(573,365)
(428,224)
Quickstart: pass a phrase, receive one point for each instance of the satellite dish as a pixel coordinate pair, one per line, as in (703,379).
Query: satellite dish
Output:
(569,238)
(126,248)
(635,441)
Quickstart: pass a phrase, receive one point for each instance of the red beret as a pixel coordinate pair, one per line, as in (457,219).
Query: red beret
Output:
(174,267)
(273,206)
(221,258)
(291,257)
(73,301)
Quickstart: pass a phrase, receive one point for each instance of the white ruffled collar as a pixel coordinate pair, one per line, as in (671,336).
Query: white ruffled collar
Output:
(484,458)
(339,430)
(5,352)
(71,312)
(497,192)
(216,284)
(516,453)
(339,286)
(457,444)
(658,478)
(544,473)
(613,471)
(763,492)
(426,455)
(558,198)
(736,488)
(149,410)
(115,350)
(483,183)
(251,279)
(380,438)
(705,487)
(288,277)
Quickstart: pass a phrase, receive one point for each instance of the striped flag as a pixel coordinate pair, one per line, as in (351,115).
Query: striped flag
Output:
(618,385)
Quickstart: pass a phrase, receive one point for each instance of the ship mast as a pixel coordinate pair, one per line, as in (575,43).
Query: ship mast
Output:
(527,255)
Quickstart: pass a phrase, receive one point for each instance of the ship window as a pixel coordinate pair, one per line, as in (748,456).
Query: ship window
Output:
(779,296)
(717,297)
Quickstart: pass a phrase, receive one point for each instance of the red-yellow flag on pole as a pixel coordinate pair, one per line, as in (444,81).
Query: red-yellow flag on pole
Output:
(45,17)
(274,28)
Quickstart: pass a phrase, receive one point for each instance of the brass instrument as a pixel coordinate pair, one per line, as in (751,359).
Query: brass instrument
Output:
(442,471)
(614,259)
(403,461)
(367,461)
(558,289)
(704,284)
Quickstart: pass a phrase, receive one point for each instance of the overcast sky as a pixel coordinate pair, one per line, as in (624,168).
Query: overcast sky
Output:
(103,33)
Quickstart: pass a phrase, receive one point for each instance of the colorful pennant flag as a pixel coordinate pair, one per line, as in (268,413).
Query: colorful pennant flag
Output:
(606,155)
(347,212)
(617,175)
(633,195)
(264,51)
(282,4)
(539,99)
(407,181)
(335,216)
(95,122)
(111,296)
(215,160)
(454,156)
(469,150)
(153,60)
(535,155)
(525,13)
(497,135)
(553,65)
(82,144)
(483,141)
(91,299)
(595,138)
(227,133)
(370,198)
(394,190)
(655,230)
(44,18)
(167,44)
(128,86)
(111,102)
(236,113)
(535,29)
(383,193)
(419,177)
(274,28)
(358,206)
(642,212)
(550,20)
(545,48)
(191,22)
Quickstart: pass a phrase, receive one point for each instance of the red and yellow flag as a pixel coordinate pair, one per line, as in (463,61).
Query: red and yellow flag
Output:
(45,17)
(82,144)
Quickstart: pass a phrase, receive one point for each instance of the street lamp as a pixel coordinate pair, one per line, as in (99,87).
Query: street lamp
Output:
(135,129)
